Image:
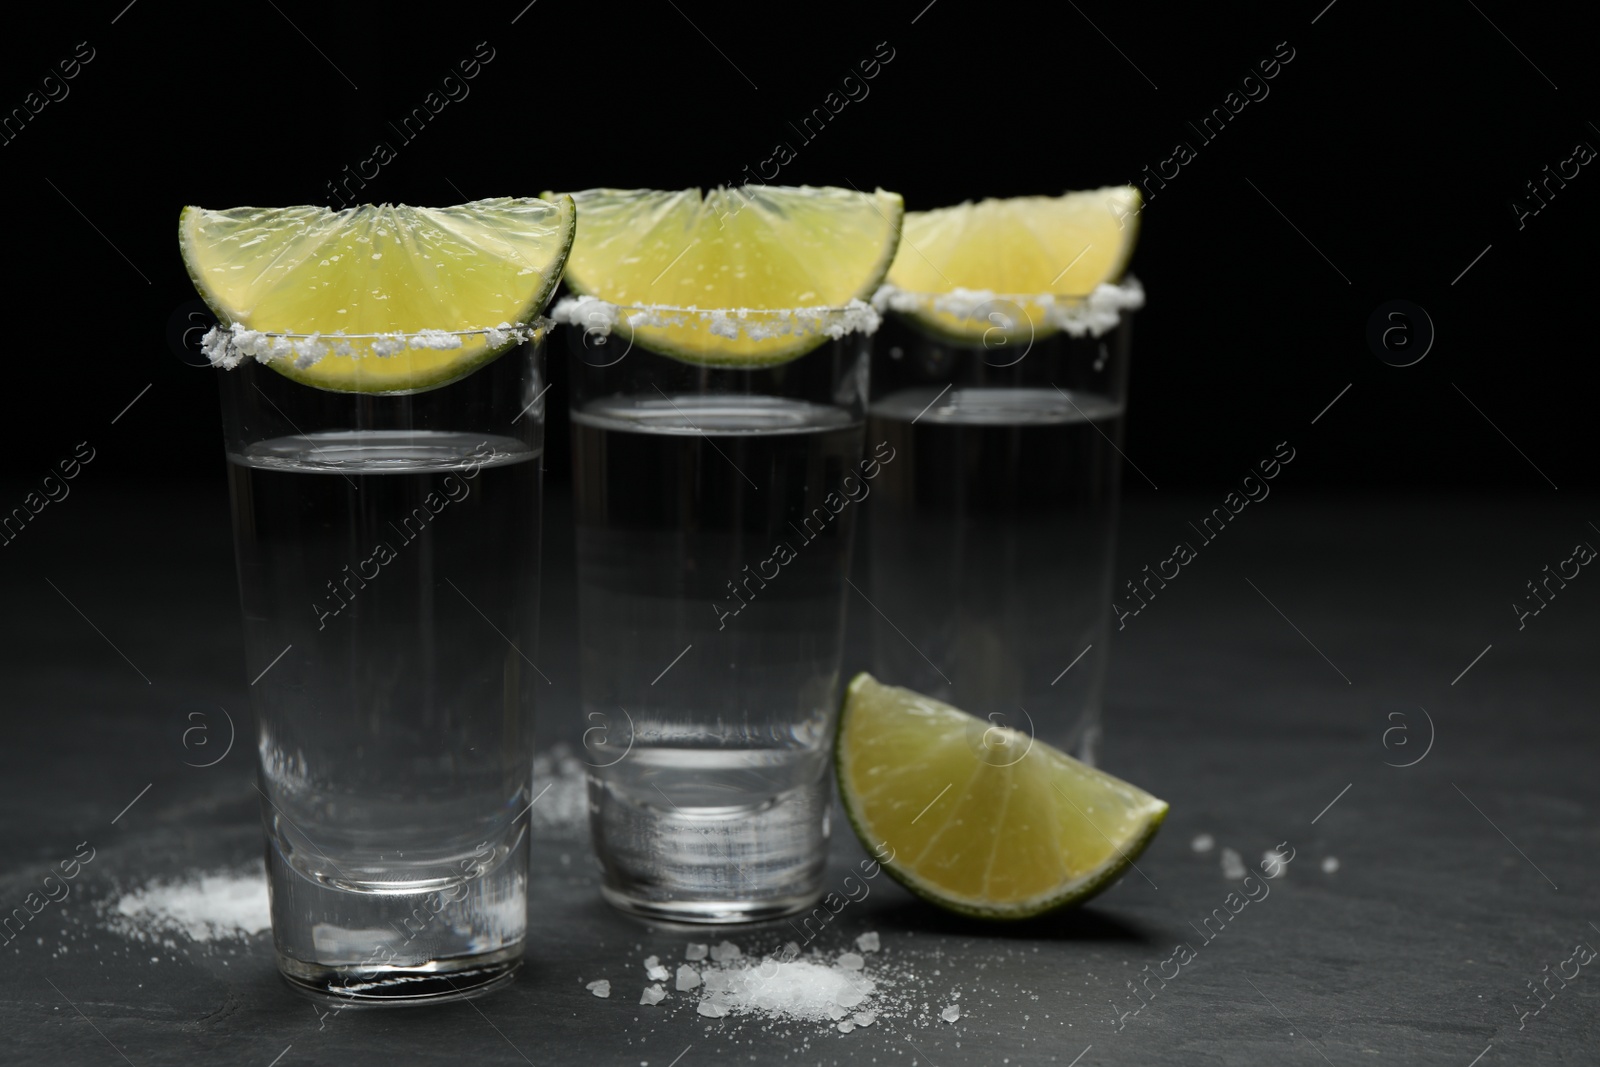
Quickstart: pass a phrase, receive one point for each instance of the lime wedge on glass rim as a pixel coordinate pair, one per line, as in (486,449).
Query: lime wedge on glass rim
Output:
(756,248)
(384,269)
(980,819)
(1025,252)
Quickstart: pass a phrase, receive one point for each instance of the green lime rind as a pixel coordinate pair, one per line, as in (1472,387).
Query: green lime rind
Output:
(1076,892)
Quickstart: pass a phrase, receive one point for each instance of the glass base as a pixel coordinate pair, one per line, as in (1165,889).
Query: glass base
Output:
(436,982)
(710,911)
(407,941)
(761,858)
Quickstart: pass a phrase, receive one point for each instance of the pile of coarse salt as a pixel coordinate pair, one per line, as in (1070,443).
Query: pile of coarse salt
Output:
(783,985)
(203,907)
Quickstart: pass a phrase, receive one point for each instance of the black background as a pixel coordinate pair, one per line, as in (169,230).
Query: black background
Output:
(1394,141)
(1406,527)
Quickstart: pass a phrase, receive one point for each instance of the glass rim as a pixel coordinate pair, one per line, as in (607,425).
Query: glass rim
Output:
(540,325)
(226,347)
(929,297)
(803,310)
(1092,314)
(1125,289)
(599,318)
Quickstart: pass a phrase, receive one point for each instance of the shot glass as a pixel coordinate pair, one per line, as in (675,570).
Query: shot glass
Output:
(715,507)
(388,552)
(991,537)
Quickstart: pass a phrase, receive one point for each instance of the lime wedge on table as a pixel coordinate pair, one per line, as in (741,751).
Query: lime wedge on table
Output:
(380,269)
(1024,246)
(755,247)
(982,819)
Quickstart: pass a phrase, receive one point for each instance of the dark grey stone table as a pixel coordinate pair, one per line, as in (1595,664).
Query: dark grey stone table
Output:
(1268,694)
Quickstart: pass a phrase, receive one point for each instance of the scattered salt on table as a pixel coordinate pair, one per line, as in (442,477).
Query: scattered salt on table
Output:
(600,988)
(1274,863)
(727,950)
(950,1014)
(688,977)
(1233,867)
(693,951)
(868,942)
(653,994)
(653,969)
(204,907)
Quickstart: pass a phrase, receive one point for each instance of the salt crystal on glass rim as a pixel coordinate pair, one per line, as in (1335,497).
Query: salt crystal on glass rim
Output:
(228,346)
(598,318)
(1093,315)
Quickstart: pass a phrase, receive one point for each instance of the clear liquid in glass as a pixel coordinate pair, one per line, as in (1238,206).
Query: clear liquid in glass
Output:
(991,540)
(714,537)
(389,590)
